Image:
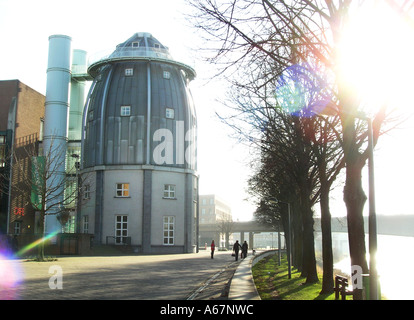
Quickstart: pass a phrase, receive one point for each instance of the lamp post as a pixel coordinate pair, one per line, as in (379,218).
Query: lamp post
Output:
(372,218)
(289,255)
(279,244)
(289,244)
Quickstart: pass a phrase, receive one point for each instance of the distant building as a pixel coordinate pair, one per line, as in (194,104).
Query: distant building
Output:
(21,114)
(214,210)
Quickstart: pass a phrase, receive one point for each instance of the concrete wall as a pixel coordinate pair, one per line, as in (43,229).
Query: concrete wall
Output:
(146,232)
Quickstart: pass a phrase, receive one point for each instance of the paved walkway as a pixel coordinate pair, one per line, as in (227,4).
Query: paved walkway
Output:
(166,277)
(242,284)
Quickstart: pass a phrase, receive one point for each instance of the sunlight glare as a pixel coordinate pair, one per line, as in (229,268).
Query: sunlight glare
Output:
(10,277)
(375,57)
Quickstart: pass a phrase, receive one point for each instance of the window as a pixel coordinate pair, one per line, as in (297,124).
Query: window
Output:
(121,229)
(86,192)
(169,191)
(85,224)
(135,44)
(129,72)
(169,113)
(70,225)
(168,230)
(122,190)
(125,111)
(166,75)
(157,46)
(17,227)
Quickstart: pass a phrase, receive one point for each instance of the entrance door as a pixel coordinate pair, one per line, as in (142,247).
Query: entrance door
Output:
(121,229)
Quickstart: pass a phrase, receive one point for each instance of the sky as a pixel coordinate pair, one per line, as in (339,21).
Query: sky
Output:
(96,26)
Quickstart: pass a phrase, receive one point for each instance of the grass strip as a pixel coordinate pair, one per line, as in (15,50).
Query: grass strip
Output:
(272,282)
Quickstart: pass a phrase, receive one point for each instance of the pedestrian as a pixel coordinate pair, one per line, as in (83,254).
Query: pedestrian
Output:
(213,247)
(245,247)
(236,248)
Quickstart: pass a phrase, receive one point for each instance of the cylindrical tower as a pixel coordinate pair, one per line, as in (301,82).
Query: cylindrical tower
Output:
(55,126)
(139,145)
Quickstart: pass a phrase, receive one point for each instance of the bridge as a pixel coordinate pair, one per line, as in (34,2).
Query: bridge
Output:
(239,226)
(400,225)
(213,230)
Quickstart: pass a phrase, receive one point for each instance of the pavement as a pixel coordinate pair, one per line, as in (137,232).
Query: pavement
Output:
(129,277)
(242,284)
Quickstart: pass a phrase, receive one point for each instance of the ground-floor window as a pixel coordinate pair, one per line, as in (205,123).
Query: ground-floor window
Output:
(17,227)
(85,224)
(121,229)
(168,222)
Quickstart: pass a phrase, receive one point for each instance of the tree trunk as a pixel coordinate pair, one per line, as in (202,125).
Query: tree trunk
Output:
(355,198)
(327,255)
(309,259)
(41,251)
(41,244)
(297,238)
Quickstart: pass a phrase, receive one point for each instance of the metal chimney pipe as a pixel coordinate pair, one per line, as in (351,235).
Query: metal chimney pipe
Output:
(56,125)
(77,95)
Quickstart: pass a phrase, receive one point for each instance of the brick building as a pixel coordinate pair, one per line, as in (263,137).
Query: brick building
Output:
(21,113)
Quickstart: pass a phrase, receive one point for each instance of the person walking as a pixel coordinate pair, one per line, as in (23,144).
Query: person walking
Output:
(213,247)
(245,247)
(236,248)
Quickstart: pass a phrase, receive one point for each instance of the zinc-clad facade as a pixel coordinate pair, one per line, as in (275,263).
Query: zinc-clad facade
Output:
(139,150)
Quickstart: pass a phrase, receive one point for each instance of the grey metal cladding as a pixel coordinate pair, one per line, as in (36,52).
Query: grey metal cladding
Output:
(121,138)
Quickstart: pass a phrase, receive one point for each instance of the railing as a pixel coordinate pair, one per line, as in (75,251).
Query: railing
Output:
(129,52)
(79,69)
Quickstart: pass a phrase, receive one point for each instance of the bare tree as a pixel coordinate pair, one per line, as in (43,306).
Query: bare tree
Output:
(39,183)
(253,34)
(225,226)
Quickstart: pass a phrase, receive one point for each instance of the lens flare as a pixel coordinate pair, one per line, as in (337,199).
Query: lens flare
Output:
(10,277)
(36,243)
(302,90)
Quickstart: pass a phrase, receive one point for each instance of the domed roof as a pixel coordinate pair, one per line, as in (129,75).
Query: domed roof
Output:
(141,46)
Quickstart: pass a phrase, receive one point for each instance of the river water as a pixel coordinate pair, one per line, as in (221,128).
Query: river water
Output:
(395,258)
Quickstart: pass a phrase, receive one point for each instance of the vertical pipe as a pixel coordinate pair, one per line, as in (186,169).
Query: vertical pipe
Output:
(279,246)
(77,96)
(373,283)
(289,247)
(148,162)
(56,126)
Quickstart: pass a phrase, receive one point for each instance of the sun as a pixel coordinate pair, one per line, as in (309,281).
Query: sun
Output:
(376,56)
